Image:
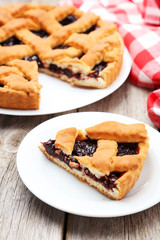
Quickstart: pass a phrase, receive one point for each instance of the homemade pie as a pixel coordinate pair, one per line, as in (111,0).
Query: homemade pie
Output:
(108,156)
(79,48)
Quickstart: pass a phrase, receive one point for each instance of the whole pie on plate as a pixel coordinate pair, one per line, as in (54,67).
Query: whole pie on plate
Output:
(108,156)
(79,48)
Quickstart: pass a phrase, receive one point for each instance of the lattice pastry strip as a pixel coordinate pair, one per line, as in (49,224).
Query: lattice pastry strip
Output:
(19,86)
(57,38)
(4,17)
(50,20)
(18,9)
(108,156)
(10,30)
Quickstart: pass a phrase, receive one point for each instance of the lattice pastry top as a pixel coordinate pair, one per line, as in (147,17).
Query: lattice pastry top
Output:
(109,156)
(76,47)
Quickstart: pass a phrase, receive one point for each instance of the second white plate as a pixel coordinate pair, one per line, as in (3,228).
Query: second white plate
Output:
(60,189)
(59,96)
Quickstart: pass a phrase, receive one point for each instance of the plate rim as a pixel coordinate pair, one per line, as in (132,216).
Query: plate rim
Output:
(138,209)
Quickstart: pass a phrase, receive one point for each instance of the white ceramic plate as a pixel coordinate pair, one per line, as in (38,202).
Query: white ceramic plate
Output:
(60,189)
(58,96)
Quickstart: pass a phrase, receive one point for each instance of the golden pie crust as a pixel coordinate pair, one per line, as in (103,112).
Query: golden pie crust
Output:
(70,51)
(20,88)
(105,160)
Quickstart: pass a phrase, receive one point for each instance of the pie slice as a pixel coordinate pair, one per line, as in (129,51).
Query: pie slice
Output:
(108,156)
(19,86)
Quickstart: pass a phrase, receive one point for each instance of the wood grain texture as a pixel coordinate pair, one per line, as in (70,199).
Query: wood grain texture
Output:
(128,100)
(23,216)
(144,225)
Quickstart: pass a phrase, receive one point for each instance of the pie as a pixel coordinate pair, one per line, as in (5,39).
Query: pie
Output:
(108,156)
(76,47)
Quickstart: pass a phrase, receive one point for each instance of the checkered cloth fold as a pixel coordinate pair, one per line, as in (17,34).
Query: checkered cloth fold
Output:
(138,22)
(153,107)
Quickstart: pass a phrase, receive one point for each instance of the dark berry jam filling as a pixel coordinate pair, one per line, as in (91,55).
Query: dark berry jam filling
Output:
(107,181)
(34,58)
(69,160)
(69,19)
(94,27)
(127,149)
(97,68)
(84,148)
(54,68)
(41,33)
(61,47)
(11,41)
(1,85)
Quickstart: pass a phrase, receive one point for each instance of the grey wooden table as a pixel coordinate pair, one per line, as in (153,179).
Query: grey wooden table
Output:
(25,217)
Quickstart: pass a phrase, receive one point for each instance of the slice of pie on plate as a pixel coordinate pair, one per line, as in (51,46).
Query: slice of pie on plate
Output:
(108,156)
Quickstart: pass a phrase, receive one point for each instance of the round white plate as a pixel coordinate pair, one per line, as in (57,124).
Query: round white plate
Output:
(60,189)
(58,96)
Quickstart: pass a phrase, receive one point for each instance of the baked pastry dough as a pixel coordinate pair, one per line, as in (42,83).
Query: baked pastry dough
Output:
(76,47)
(19,86)
(108,156)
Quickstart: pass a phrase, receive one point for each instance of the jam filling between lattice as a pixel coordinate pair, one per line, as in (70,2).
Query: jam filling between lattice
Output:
(68,20)
(41,33)
(61,46)
(11,41)
(34,58)
(87,148)
(15,41)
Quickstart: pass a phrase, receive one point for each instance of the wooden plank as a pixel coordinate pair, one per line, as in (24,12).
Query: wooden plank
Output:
(144,225)
(128,100)
(22,214)
(79,228)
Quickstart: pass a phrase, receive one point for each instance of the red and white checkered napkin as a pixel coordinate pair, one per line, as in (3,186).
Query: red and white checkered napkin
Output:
(139,24)
(153,107)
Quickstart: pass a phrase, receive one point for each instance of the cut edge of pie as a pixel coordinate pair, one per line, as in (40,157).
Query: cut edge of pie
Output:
(89,70)
(108,160)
